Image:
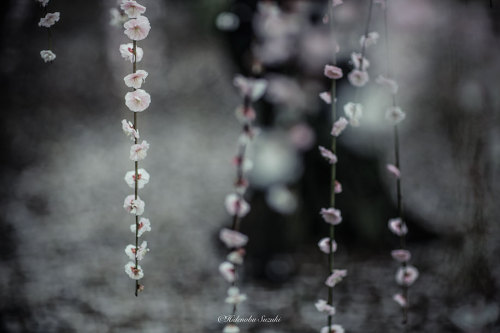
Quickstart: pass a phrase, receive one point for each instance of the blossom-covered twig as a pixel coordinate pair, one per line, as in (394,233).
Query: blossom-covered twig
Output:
(406,274)
(48,21)
(136,28)
(250,90)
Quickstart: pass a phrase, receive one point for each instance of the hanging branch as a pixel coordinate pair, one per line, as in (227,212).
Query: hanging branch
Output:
(48,21)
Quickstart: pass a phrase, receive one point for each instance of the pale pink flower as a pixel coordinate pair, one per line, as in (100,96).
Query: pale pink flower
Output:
(138,28)
(333,72)
(234,297)
(390,84)
(393,170)
(331,215)
(43,2)
(326,96)
(397,226)
(142,178)
(358,78)
(245,114)
(236,205)
(135,80)
(332,329)
(134,206)
(406,276)
(144,225)
(231,328)
(49,20)
(233,238)
(131,252)
(401,255)
(251,88)
(302,136)
(138,100)
(236,257)
(336,3)
(370,39)
(336,277)
(401,300)
(353,111)
(139,151)
(47,55)
(228,271)
(324,245)
(129,130)
(337,187)
(357,63)
(132,8)
(395,114)
(322,306)
(127,52)
(133,272)
(339,126)
(328,155)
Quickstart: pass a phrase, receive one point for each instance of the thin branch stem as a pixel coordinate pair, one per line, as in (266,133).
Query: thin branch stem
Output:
(136,180)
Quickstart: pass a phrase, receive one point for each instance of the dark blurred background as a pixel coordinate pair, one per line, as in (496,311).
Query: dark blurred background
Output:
(63,228)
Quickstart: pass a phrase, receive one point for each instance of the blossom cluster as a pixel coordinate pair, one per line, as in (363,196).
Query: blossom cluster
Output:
(47,22)
(250,90)
(137,28)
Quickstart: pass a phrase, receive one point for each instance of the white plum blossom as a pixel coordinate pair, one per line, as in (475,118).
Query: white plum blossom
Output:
(117,18)
(332,329)
(401,300)
(129,130)
(358,78)
(406,276)
(138,100)
(390,84)
(142,178)
(331,215)
(234,296)
(322,306)
(251,88)
(353,111)
(236,257)
(333,72)
(49,20)
(326,96)
(401,255)
(357,63)
(138,28)
(144,225)
(233,238)
(231,328)
(336,277)
(133,272)
(134,206)
(47,55)
(139,151)
(236,205)
(339,126)
(370,39)
(132,8)
(324,245)
(328,155)
(337,187)
(127,52)
(393,170)
(131,252)
(43,2)
(395,114)
(135,80)
(397,226)
(228,271)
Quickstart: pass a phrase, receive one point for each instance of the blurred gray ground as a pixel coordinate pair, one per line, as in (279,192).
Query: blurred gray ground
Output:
(64,229)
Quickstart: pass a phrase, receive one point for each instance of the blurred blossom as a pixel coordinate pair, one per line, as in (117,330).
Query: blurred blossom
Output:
(316,48)
(302,136)
(227,21)
(281,199)
(474,318)
(286,91)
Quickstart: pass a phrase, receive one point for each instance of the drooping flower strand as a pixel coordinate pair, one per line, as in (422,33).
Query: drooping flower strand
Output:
(359,77)
(331,215)
(250,90)
(136,28)
(48,21)
(406,274)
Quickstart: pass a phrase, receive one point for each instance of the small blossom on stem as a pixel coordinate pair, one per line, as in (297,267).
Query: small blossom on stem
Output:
(332,329)
(395,115)
(331,215)
(236,257)
(47,55)
(133,272)
(322,306)
(250,88)
(138,28)
(370,39)
(237,206)
(144,225)
(353,111)
(397,226)
(401,300)
(401,255)
(129,130)
(135,80)
(337,187)
(127,52)
(336,277)
(358,78)
(228,272)
(328,155)
(131,252)
(49,20)
(138,100)
(333,72)
(325,246)
(133,205)
(234,296)
(142,178)
(132,8)
(139,151)
(326,96)
(339,126)
(393,170)
(406,275)
(233,238)
(359,62)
